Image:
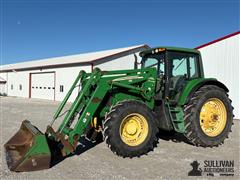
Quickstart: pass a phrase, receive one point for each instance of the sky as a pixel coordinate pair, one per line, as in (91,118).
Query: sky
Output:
(37,29)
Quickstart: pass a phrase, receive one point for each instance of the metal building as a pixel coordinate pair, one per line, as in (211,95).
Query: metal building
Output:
(221,59)
(51,78)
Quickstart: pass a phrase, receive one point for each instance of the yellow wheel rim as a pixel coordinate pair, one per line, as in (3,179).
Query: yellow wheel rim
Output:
(213,117)
(133,129)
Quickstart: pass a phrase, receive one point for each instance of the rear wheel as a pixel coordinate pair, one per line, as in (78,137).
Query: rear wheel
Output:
(208,117)
(130,129)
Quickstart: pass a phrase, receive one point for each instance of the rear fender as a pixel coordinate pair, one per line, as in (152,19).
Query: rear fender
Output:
(194,85)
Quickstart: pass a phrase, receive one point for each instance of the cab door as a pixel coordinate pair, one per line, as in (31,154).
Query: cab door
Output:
(182,67)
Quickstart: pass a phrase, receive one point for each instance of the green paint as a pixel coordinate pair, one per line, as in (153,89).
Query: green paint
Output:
(176,114)
(127,84)
(80,75)
(189,87)
(39,147)
(179,124)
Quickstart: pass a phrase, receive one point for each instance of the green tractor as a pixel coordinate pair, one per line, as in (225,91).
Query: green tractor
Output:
(130,107)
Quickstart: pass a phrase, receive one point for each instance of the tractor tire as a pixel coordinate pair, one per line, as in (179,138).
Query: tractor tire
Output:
(208,117)
(130,129)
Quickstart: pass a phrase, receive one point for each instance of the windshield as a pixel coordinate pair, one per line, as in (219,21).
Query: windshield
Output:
(154,60)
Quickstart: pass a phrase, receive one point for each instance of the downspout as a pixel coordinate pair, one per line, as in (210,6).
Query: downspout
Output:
(30,86)
(7,84)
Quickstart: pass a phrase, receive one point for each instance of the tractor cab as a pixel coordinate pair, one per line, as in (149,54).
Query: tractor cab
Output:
(175,68)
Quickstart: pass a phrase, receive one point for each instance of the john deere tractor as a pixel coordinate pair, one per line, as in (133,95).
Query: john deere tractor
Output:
(129,107)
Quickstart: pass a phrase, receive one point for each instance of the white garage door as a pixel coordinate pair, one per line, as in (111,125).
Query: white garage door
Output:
(43,86)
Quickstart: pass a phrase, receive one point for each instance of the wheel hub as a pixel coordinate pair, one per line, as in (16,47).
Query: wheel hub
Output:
(133,129)
(214,117)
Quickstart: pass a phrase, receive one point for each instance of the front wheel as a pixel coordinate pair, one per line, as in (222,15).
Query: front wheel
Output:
(208,117)
(130,129)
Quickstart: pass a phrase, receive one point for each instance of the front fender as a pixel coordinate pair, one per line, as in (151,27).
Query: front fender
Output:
(194,85)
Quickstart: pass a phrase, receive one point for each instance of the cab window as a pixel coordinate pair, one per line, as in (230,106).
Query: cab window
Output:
(155,60)
(193,65)
(179,67)
(151,62)
(183,64)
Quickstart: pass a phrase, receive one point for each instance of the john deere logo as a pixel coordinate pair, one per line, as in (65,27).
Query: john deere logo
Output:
(195,170)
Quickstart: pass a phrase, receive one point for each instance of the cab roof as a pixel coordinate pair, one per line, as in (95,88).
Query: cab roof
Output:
(167,48)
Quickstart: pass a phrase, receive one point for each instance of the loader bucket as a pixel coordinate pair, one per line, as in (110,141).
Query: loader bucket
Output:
(28,149)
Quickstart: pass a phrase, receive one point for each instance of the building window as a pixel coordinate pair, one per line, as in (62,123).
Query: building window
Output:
(11,86)
(61,88)
(20,87)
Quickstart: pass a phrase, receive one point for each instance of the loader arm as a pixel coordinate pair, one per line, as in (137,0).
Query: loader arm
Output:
(95,86)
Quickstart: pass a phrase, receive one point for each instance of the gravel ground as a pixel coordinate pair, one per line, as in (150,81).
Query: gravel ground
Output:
(170,160)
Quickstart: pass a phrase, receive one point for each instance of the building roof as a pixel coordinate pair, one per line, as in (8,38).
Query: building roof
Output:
(149,51)
(2,81)
(72,60)
(219,39)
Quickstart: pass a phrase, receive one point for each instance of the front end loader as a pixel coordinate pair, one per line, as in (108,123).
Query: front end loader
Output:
(130,107)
